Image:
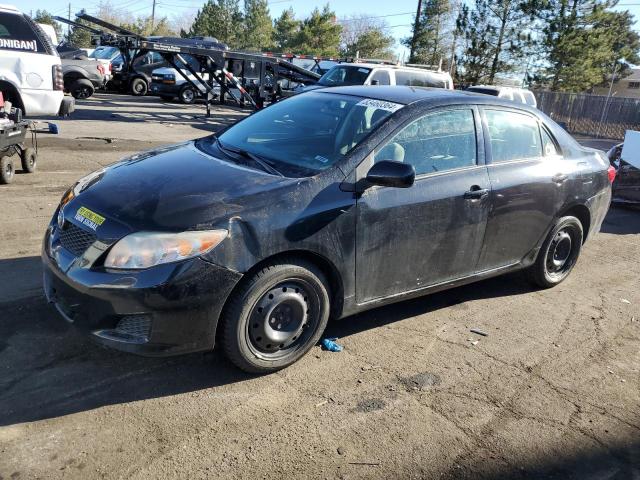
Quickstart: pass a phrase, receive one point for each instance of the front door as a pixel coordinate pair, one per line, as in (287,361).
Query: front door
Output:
(411,238)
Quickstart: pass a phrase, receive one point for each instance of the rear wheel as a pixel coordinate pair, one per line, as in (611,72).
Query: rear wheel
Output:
(7,170)
(275,316)
(139,87)
(559,253)
(81,88)
(29,160)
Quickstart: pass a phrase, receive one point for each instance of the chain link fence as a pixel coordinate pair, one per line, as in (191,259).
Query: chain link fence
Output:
(591,115)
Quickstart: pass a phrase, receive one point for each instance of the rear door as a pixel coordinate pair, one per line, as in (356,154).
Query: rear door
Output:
(409,239)
(528,183)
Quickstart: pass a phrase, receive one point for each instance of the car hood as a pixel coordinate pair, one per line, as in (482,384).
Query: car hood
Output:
(174,188)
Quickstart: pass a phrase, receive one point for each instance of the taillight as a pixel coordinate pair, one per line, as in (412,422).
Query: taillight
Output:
(58,80)
(611,171)
(110,67)
(101,69)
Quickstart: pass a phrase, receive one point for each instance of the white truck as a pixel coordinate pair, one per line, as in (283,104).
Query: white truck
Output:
(30,68)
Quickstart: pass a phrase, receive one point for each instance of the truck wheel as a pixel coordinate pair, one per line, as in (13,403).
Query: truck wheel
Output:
(275,316)
(187,95)
(29,160)
(139,87)
(81,88)
(6,170)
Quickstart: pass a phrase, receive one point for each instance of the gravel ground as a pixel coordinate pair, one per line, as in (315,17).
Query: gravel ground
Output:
(551,392)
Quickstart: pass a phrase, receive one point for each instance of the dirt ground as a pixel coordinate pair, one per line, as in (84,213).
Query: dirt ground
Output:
(553,391)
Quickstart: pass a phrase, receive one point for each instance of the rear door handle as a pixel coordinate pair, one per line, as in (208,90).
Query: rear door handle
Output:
(476,193)
(559,178)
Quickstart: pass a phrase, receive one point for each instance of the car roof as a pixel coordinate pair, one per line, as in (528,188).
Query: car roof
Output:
(406,95)
(8,8)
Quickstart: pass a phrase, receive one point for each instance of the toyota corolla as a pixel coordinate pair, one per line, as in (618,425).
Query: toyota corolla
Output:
(320,206)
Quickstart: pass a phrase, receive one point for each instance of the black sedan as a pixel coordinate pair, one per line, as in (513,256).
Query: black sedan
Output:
(626,187)
(323,205)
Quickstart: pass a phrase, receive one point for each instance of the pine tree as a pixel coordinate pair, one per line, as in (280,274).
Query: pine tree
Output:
(320,33)
(79,37)
(42,16)
(221,19)
(430,41)
(372,43)
(494,35)
(581,40)
(258,29)
(285,31)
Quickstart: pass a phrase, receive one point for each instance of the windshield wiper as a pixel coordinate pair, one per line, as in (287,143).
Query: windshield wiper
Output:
(263,163)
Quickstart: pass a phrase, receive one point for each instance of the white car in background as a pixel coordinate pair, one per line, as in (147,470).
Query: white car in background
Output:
(518,95)
(30,69)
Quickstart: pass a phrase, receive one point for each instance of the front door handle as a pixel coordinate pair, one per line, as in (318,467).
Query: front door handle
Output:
(559,178)
(476,193)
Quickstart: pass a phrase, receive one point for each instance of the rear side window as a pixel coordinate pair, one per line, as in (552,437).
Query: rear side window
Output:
(19,34)
(437,142)
(382,76)
(529,98)
(514,136)
(548,144)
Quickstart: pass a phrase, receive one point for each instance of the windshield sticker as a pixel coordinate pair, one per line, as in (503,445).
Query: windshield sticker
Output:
(322,159)
(19,44)
(363,70)
(89,218)
(380,104)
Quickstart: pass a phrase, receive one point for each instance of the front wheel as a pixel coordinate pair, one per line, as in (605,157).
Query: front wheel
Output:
(559,253)
(7,170)
(275,316)
(187,95)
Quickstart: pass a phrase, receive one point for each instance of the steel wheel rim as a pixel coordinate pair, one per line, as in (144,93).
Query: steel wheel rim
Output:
(8,169)
(560,255)
(283,319)
(187,95)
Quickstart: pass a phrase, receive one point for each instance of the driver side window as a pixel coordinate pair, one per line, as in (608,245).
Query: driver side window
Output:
(436,142)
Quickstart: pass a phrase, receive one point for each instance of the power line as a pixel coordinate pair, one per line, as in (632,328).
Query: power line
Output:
(378,16)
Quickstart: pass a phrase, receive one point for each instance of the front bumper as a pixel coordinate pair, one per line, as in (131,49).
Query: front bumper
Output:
(157,88)
(164,310)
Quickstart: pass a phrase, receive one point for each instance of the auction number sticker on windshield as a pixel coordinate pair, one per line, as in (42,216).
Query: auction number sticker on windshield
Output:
(89,218)
(380,104)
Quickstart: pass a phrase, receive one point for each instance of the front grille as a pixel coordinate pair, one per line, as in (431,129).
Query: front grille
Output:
(135,325)
(75,239)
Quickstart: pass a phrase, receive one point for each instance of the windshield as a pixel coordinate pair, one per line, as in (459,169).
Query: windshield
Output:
(104,53)
(304,134)
(344,75)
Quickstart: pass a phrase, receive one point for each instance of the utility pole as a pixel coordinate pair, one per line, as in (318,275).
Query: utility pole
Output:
(153,14)
(69,25)
(416,26)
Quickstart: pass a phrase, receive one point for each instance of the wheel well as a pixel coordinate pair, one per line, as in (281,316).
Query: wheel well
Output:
(583,214)
(336,289)
(11,93)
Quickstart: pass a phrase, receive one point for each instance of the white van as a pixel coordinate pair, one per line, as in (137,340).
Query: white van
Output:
(381,74)
(518,95)
(30,69)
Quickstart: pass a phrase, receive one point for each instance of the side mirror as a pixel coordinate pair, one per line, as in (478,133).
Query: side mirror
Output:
(375,82)
(388,173)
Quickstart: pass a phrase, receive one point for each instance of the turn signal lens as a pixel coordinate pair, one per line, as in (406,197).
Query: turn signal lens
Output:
(611,171)
(146,249)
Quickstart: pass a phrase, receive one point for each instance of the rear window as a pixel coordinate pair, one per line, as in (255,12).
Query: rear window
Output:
(419,79)
(344,75)
(18,33)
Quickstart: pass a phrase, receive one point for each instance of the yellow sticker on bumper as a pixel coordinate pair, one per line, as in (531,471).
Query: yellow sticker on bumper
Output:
(89,218)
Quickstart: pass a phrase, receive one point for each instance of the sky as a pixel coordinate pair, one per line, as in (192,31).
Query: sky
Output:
(397,13)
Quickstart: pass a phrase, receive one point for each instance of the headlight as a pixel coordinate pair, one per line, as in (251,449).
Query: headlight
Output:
(146,249)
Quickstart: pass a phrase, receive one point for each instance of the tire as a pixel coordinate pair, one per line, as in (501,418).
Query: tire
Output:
(81,89)
(559,253)
(7,170)
(264,326)
(29,160)
(139,87)
(166,98)
(187,95)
